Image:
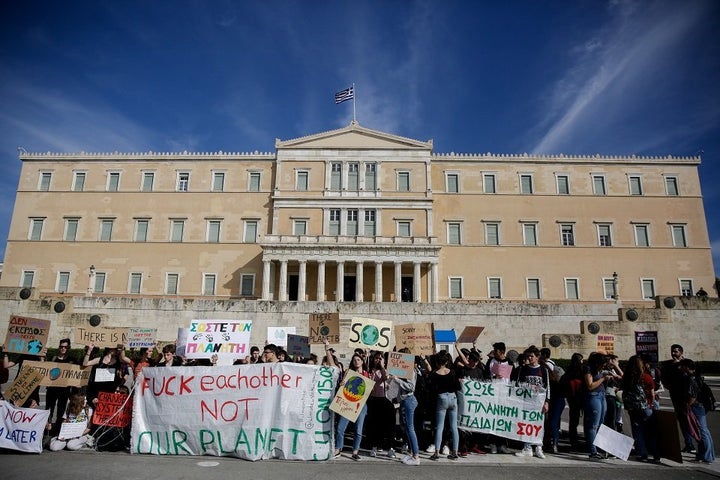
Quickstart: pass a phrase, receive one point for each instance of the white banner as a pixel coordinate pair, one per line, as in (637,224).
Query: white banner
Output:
(224,338)
(22,428)
(254,412)
(506,410)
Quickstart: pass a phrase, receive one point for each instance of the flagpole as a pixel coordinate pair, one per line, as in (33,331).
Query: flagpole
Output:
(354,95)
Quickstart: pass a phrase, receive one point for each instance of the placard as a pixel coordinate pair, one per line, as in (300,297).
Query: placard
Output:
(105,374)
(113,410)
(298,345)
(26,335)
(401,364)
(24,385)
(606,344)
(22,428)
(647,343)
(228,339)
(614,443)
(70,430)
(57,374)
(352,395)
(103,337)
(368,333)
(419,338)
(278,335)
(322,326)
(470,334)
(141,337)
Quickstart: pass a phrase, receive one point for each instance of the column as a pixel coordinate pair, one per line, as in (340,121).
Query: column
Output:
(398,285)
(340,283)
(416,282)
(378,282)
(359,282)
(321,281)
(266,280)
(302,280)
(435,282)
(282,295)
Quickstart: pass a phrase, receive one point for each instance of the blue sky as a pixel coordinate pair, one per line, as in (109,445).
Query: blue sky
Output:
(608,77)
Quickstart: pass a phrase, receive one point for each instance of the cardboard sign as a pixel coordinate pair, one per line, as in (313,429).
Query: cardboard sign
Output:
(228,339)
(613,442)
(141,337)
(606,344)
(647,342)
(368,333)
(101,337)
(26,335)
(298,345)
(104,375)
(22,428)
(470,334)
(322,326)
(113,410)
(352,395)
(278,335)
(69,430)
(57,374)
(25,383)
(419,338)
(401,364)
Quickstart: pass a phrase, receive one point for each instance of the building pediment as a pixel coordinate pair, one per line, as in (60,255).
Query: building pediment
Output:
(354,137)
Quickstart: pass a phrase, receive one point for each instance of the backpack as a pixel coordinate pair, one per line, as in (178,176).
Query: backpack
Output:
(634,398)
(705,395)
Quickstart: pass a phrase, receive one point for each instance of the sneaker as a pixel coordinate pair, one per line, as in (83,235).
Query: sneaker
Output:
(445,450)
(596,456)
(405,458)
(504,449)
(478,451)
(434,456)
(462,453)
(412,461)
(525,452)
(391,453)
(493,448)
(373,452)
(430,449)
(689,450)
(539,453)
(355,457)
(337,454)
(553,448)
(453,456)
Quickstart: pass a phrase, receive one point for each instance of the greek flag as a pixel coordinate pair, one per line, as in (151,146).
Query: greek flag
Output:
(344,95)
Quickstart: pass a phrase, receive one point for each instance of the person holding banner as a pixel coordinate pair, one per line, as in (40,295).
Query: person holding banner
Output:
(34,400)
(78,412)
(537,376)
(445,385)
(59,396)
(408,404)
(381,411)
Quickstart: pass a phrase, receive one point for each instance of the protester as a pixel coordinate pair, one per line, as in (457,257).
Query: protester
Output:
(572,384)
(696,412)
(557,400)
(445,385)
(408,404)
(109,370)
(498,368)
(595,405)
(638,394)
(538,378)
(77,412)
(380,410)
(169,359)
(59,396)
(34,399)
(672,378)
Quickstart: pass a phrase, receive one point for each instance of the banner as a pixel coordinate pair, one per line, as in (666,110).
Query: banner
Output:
(470,334)
(101,336)
(57,374)
(352,395)
(367,333)
(254,412)
(113,410)
(297,345)
(224,338)
(401,364)
(324,325)
(505,410)
(22,428)
(141,337)
(647,342)
(24,385)
(606,344)
(26,335)
(418,337)
(278,335)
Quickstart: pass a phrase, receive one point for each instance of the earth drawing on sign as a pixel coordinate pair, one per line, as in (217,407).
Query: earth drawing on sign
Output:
(354,389)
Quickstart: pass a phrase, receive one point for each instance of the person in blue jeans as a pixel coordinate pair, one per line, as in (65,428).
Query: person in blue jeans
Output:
(445,384)
(408,404)
(595,406)
(692,397)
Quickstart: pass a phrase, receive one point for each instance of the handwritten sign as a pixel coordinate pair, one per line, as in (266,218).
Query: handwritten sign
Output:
(647,343)
(419,338)
(141,337)
(69,430)
(368,333)
(113,410)
(614,443)
(24,385)
(26,335)
(606,344)
(254,412)
(401,364)
(505,410)
(298,345)
(101,336)
(352,395)
(324,325)
(22,428)
(224,338)
(57,374)
(278,335)
(470,334)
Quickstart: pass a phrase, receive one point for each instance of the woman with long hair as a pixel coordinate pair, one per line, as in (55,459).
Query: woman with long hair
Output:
(595,377)
(638,395)
(77,412)
(445,385)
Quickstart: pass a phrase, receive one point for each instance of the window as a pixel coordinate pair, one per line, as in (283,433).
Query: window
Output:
(599,185)
(71,228)
(148,179)
(494,287)
(686,287)
(28,276)
(526,184)
(301,180)
(492,234)
(635,185)
(106,228)
(648,288)
(533,288)
(99,286)
(567,235)
(403,228)
(218,184)
(251,230)
(254,182)
(529,234)
(352,222)
(678,235)
(563,184)
(604,238)
(456,290)
(177,228)
(213,231)
(113,181)
(334,222)
(183,181)
(370,176)
(208,284)
(403,181)
(642,236)
(671,186)
(247,285)
(353,180)
(489,182)
(299,227)
(36,228)
(78,182)
(141,229)
(172,280)
(572,289)
(44,181)
(369,227)
(452,183)
(135,283)
(609,288)
(63,281)
(335,176)
(454,233)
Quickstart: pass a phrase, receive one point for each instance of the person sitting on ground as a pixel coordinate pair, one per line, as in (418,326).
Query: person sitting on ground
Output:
(77,412)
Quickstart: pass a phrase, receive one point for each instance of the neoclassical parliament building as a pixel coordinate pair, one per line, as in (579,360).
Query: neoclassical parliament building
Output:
(358,215)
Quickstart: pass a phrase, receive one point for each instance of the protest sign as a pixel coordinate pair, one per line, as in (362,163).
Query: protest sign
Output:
(298,345)
(401,364)
(101,336)
(70,430)
(57,374)
(614,443)
(224,338)
(141,337)
(368,333)
(606,344)
(419,338)
(278,335)
(470,334)
(103,375)
(24,385)
(22,428)
(647,343)
(352,395)
(181,343)
(505,410)
(324,326)
(113,410)
(256,411)
(26,335)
